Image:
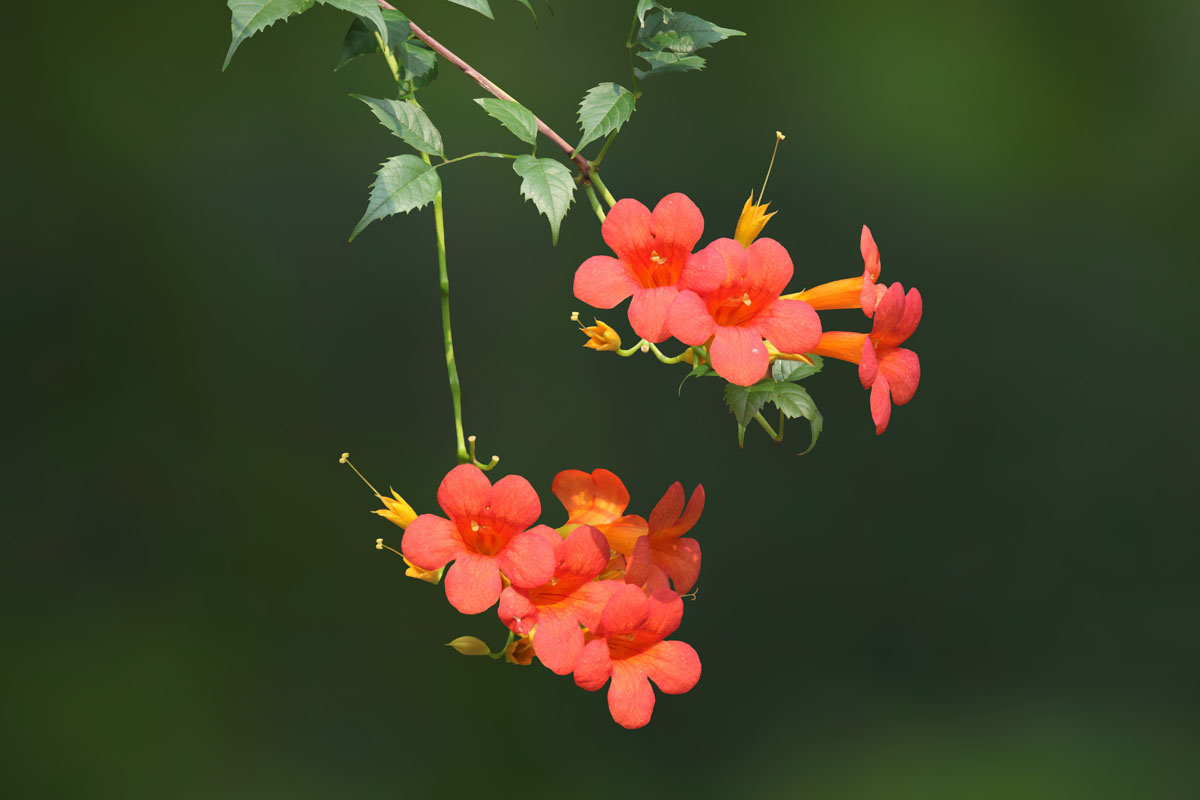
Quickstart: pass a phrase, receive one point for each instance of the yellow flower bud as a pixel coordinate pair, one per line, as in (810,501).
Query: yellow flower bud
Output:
(433,576)
(397,510)
(469,646)
(601,337)
(519,651)
(774,354)
(752,221)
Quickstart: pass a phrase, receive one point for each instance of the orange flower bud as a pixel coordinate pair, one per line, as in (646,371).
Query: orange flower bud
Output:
(752,221)
(396,510)
(433,576)
(601,337)
(519,651)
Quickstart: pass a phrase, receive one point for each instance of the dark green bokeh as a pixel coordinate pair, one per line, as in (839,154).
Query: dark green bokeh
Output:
(994,599)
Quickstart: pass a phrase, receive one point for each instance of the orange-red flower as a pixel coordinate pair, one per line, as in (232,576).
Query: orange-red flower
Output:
(600,499)
(850,292)
(664,552)
(891,372)
(554,611)
(628,646)
(488,532)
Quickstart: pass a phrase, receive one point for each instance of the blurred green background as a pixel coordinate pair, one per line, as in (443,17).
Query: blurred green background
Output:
(995,599)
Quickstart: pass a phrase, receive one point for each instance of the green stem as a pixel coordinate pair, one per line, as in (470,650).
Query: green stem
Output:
(629,49)
(604,150)
(390,58)
(595,201)
(766,426)
(480,154)
(664,358)
(594,177)
(461,453)
(628,351)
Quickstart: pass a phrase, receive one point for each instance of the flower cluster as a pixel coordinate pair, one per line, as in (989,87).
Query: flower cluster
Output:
(596,598)
(727,301)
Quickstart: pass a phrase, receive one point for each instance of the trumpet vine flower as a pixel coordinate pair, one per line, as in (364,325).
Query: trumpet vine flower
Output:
(488,532)
(628,646)
(664,552)
(736,302)
(599,499)
(654,251)
(554,611)
(850,292)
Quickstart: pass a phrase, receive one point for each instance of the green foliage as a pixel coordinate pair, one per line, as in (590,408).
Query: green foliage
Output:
(791,399)
(794,401)
(416,61)
(366,9)
(251,16)
(667,39)
(512,115)
(531,11)
(783,370)
(477,5)
(403,183)
(407,121)
(604,109)
(745,403)
(549,185)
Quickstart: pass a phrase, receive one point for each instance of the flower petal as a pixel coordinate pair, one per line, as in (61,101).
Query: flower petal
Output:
(664,611)
(769,266)
(591,499)
(473,583)
(624,533)
(908,322)
(868,365)
(639,563)
(691,514)
(558,641)
(584,554)
(791,325)
(464,492)
(516,611)
(704,271)
(666,512)
(588,601)
(677,223)
(624,612)
(688,319)
(528,559)
(630,698)
(603,281)
(903,371)
(431,542)
(673,666)
(514,505)
(870,253)
(648,312)
(889,311)
(680,559)
(738,353)
(594,665)
(626,229)
(881,403)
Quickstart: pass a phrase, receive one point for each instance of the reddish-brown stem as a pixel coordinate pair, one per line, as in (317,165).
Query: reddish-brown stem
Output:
(483,81)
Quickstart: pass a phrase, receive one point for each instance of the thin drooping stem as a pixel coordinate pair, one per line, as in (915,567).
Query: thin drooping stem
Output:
(447,339)
(491,87)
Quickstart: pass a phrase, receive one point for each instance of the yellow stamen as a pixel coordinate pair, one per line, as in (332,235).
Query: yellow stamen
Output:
(345,459)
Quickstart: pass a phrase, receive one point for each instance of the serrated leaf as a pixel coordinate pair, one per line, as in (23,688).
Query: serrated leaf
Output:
(403,183)
(407,121)
(549,185)
(794,401)
(664,61)
(643,7)
(476,5)
(605,108)
(366,9)
(248,17)
(698,371)
(682,33)
(783,370)
(744,403)
(512,115)
(360,40)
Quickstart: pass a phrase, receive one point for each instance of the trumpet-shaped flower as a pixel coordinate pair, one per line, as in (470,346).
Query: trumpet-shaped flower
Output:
(554,611)
(488,532)
(665,552)
(628,646)
(850,292)
(891,372)
(736,303)
(654,251)
(599,499)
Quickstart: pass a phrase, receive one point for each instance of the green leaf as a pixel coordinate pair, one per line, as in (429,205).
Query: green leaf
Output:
(367,9)
(403,183)
(531,11)
(407,121)
(476,5)
(744,403)
(517,118)
(796,370)
(360,40)
(682,33)
(549,185)
(417,63)
(795,402)
(643,7)
(664,61)
(251,16)
(604,109)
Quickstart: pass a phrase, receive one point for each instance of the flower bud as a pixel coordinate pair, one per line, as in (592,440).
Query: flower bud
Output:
(519,651)
(397,510)
(602,337)
(469,646)
(752,221)
(433,576)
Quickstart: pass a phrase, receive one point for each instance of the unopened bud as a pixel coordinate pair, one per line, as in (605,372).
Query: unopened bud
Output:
(519,651)
(601,337)
(469,646)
